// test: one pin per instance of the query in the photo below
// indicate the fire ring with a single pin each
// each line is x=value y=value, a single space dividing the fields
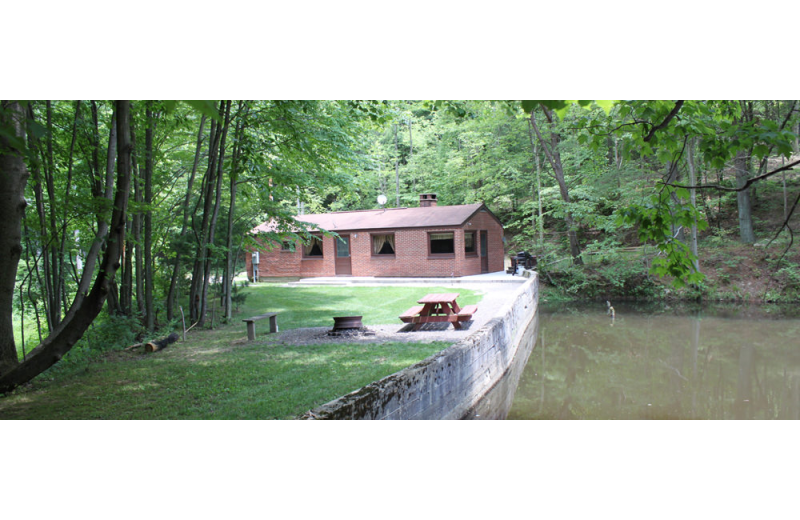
x=347 y=323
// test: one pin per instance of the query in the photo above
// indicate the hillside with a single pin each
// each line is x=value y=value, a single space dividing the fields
x=733 y=271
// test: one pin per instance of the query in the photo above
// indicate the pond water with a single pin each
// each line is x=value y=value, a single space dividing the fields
x=658 y=362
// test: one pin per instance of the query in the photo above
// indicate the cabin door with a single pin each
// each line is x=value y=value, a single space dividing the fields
x=343 y=266
x=484 y=251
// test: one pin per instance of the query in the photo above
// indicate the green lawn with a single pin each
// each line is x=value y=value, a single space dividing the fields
x=216 y=374
x=316 y=306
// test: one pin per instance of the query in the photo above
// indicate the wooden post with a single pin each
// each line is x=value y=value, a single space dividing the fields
x=183 y=321
x=273 y=324
x=251 y=330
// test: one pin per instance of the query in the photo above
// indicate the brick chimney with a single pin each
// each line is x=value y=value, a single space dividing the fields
x=427 y=200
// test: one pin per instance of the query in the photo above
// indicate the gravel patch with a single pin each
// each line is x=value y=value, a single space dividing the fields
x=495 y=296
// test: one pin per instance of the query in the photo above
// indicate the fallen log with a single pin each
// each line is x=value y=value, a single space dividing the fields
x=155 y=346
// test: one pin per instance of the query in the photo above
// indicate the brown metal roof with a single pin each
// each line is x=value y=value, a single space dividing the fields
x=391 y=218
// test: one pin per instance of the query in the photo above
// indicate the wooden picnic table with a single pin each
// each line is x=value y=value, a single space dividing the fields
x=438 y=308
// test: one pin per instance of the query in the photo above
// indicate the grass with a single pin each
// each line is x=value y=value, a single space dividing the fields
x=217 y=374
x=214 y=381
x=316 y=306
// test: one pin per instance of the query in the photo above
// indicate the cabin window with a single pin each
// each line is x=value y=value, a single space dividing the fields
x=383 y=244
x=441 y=243
x=313 y=249
x=469 y=243
x=288 y=246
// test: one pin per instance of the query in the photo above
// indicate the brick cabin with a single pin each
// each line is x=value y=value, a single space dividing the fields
x=428 y=241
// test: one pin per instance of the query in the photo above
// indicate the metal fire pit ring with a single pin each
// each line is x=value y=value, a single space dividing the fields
x=347 y=323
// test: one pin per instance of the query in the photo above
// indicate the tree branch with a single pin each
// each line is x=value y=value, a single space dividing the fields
x=548 y=152
x=746 y=184
x=783 y=125
x=786 y=225
x=665 y=122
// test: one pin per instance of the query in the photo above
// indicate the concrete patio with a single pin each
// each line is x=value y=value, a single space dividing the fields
x=496 y=277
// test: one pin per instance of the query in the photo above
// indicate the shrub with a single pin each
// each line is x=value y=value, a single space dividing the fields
x=106 y=333
x=617 y=277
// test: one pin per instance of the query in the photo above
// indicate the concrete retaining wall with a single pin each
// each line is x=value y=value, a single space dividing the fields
x=450 y=383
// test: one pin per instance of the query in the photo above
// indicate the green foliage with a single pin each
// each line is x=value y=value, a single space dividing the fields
x=105 y=334
x=339 y=155
x=238 y=296
x=733 y=136
x=607 y=274
x=656 y=222
x=789 y=275
x=204 y=107
x=561 y=107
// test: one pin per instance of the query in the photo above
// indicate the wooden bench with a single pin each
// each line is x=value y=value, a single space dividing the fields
x=465 y=314
x=251 y=324
x=410 y=314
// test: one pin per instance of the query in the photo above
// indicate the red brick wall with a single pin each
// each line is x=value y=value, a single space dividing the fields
x=411 y=258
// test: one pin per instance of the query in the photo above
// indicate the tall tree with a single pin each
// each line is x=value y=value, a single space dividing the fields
x=83 y=309
x=13 y=177
x=180 y=246
x=741 y=164
x=201 y=233
x=537 y=161
x=215 y=213
x=551 y=151
x=243 y=110
x=149 y=304
x=693 y=195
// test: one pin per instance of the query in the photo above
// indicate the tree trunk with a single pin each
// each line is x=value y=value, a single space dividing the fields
x=410 y=142
x=126 y=287
x=693 y=194
x=44 y=242
x=554 y=157
x=13 y=178
x=396 y=169
x=538 y=163
x=205 y=234
x=215 y=215
x=104 y=187
x=796 y=142
x=173 y=284
x=79 y=317
x=62 y=252
x=673 y=176
x=137 y=227
x=149 y=307
x=54 y=306
x=742 y=166
x=230 y=259
x=785 y=197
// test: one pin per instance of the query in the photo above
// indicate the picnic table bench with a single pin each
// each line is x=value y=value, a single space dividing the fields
x=438 y=308
x=251 y=324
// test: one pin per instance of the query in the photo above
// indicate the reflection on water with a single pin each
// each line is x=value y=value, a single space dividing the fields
x=662 y=362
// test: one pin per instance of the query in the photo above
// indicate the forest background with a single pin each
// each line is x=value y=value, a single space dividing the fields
x=614 y=197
